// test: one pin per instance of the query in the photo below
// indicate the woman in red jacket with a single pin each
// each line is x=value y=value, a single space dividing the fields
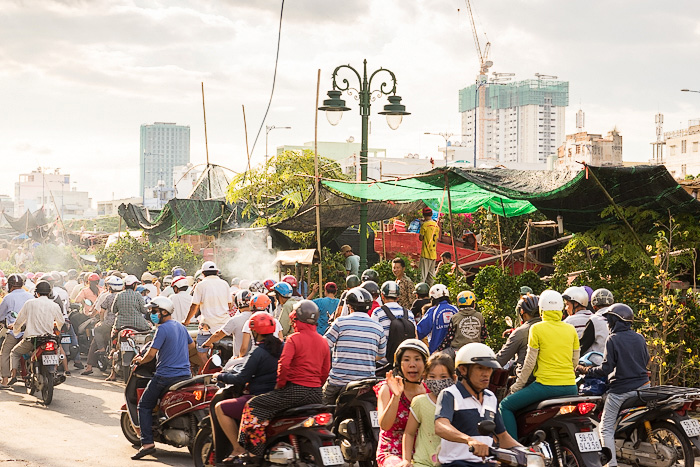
x=301 y=372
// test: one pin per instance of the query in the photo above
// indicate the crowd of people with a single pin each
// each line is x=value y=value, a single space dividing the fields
x=299 y=348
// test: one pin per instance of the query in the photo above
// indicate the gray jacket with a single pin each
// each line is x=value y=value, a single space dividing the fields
x=516 y=345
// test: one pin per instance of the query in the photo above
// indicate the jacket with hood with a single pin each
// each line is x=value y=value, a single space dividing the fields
x=517 y=345
x=466 y=326
x=305 y=359
x=556 y=343
x=435 y=323
x=625 y=362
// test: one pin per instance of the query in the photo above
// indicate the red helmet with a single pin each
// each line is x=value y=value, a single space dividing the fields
x=291 y=280
x=259 y=302
x=93 y=277
x=262 y=323
x=269 y=284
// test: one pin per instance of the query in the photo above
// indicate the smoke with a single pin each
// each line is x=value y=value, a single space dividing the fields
x=245 y=255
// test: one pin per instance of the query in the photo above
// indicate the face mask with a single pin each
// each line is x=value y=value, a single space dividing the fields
x=155 y=318
x=437 y=385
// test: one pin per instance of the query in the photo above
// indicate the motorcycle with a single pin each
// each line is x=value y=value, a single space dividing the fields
x=39 y=368
x=128 y=344
x=180 y=410
x=298 y=436
x=356 y=424
x=537 y=455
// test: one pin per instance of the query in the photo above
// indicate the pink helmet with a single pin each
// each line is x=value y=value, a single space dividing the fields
x=291 y=280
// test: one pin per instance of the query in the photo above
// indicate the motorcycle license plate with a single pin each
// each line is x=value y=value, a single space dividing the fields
x=374 y=418
x=65 y=340
x=49 y=359
x=331 y=455
x=691 y=427
x=588 y=442
x=126 y=347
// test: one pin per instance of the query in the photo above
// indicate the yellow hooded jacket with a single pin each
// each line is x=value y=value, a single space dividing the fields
x=556 y=342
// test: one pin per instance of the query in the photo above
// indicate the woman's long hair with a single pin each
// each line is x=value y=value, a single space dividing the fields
x=94 y=288
x=272 y=344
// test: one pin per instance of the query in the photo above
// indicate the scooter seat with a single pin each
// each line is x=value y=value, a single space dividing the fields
x=310 y=409
x=361 y=382
x=199 y=379
x=642 y=399
x=558 y=401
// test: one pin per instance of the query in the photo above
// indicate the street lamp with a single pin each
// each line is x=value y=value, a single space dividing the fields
x=394 y=112
x=445 y=135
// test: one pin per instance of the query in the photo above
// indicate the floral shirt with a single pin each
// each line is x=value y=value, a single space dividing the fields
x=390 y=442
x=405 y=292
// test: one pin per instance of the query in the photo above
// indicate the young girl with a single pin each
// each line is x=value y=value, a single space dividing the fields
x=421 y=449
x=394 y=398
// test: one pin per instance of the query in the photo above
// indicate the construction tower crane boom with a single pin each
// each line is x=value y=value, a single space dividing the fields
x=484 y=63
x=541 y=76
x=481 y=83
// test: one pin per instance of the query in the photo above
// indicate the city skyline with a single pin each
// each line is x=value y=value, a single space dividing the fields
x=79 y=78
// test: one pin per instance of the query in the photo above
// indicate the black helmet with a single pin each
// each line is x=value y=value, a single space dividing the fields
x=620 y=310
x=530 y=304
x=422 y=288
x=72 y=274
x=43 y=288
x=352 y=281
x=524 y=290
x=359 y=299
x=370 y=275
x=602 y=297
x=371 y=287
x=15 y=280
x=306 y=311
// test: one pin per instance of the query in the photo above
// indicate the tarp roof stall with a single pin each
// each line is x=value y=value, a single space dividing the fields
x=35 y=224
x=292 y=257
x=576 y=196
x=340 y=212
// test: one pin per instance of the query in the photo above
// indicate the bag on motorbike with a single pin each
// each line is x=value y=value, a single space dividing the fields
x=593 y=387
x=400 y=329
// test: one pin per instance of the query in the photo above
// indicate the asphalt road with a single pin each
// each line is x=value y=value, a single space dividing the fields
x=80 y=427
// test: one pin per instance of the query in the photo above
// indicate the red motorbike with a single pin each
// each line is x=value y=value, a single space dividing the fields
x=179 y=411
x=39 y=370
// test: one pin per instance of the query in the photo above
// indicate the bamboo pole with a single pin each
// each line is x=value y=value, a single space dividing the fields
x=452 y=230
x=500 y=242
x=206 y=142
x=245 y=128
x=318 y=195
x=383 y=241
x=527 y=244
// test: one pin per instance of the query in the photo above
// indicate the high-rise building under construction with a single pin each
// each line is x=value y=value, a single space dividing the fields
x=520 y=122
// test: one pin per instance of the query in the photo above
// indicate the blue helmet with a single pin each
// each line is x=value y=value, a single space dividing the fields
x=283 y=289
x=178 y=271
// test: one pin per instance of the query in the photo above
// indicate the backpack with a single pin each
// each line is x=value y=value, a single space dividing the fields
x=400 y=329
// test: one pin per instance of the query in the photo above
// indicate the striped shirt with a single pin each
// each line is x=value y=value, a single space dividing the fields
x=355 y=342
x=397 y=310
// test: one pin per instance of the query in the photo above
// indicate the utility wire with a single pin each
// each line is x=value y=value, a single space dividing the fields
x=274 y=80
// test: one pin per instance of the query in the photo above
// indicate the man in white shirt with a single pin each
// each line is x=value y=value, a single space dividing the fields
x=212 y=298
x=234 y=326
x=181 y=298
x=147 y=280
x=38 y=315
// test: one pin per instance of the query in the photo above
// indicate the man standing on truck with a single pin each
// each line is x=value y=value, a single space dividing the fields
x=428 y=235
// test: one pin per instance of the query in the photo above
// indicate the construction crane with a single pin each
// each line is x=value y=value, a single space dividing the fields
x=541 y=76
x=500 y=77
x=484 y=65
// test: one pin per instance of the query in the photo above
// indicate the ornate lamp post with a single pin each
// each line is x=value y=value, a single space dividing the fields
x=394 y=111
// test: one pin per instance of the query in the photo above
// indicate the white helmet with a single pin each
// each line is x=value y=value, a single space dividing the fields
x=244 y=284
x=131 y=280
x=209 y=266
x=163 y=303
x=115 y=283
x=439 y=291
x=551 y=300
x=476 y=353
x=576 y=294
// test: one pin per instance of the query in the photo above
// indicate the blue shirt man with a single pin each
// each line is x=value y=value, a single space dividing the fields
x=172 y=345
x=436 y=322
x=327 y=306
x=9 y=308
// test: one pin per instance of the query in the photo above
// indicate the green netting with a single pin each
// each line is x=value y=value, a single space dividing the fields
x=520 y=93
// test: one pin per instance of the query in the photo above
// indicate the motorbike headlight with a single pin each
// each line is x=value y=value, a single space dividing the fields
x=534 y=460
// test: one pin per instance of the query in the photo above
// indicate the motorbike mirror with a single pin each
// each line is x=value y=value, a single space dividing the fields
x=88 y=302
x=486 y=427
x=509 y=321
x=216 y=360
x=539 y=437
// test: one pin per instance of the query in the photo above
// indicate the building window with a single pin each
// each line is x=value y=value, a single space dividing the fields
x=578 y=149
x=672 y=150
x=695 y=146
x=683 y=146
x=683 y=169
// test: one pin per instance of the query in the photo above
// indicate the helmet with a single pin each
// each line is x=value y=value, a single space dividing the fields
x=146 y=276
x=72 y=274
x=602 y=297
x=177 y=271
x=15 y=280
x=167 y=280
x=620 y=310
x=283 y=289
x=243 y=284
x=235 y=281
x=371 y=287
x=359 y=299
x=262 y=323
x=164 y=303
x=115 y=283
x=466 y=298
x=422 y=288
x=576 y=294
x=131 y=280
x=306 y=311
x=530 y=305
x=352 y=281
x=439 y=291
x=31 y=276
x=369 y=275
x=93 y=277
x=259 y=302
x=291 y=280
x=243 y=298
x=256 y=286
x=390 y=289
x=180 y=282
x=476 y=353
x=43 y=288
x=524 y=290
x=198 y=275
x=190 y=280
x=209 y=266
x=269 y=283
x=141 y=289
x=551 y=300
x=411 y=344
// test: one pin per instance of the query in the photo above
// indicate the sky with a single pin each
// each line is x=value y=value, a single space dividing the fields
x=79 y=77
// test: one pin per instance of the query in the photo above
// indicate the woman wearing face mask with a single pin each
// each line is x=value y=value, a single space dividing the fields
x=420 y=443
x=394 y=398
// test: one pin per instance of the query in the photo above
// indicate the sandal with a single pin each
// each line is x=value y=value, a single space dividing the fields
x=86 y=372
x=242 y=459
x=110 y=378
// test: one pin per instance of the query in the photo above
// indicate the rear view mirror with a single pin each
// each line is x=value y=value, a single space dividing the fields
x=486 y=427
x=216 y=360
x=509 y=321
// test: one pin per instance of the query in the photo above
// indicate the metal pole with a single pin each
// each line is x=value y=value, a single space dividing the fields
x=500 y=241
x=476 y=98
x=318 y=196
x=364 y=111
x=452 y=230
x=527 y=244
